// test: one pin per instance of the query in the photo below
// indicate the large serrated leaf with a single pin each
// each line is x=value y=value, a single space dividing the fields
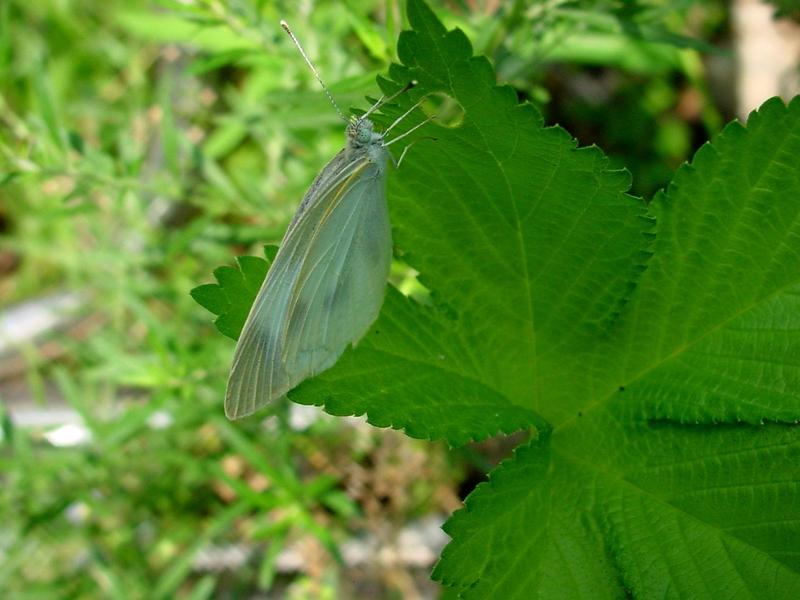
x=645 y=345
x=639 y=490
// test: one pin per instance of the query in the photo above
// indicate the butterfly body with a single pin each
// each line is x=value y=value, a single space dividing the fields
x=326 y=286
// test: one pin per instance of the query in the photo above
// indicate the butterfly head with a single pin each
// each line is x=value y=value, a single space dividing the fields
x=360 y=133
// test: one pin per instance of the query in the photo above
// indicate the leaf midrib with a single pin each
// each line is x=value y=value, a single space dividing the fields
x=436 y=39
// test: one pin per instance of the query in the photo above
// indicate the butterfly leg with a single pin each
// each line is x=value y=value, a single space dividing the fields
x=404 y=115
x=403 y=153
x=410 y=131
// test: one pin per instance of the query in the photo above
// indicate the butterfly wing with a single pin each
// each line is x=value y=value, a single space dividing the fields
x=324 y=289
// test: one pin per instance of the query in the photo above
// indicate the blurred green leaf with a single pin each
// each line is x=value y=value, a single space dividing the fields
x=203 y=589
x=168 y=583
x=169 y=130
x=266 y=570
x=280 y=474
x=627 y=53
x=367 y=33
x=5 y=42
x=75 y=141
x=219 y=59
x=786 y=8
x=47 y=110
x=211 y=36
x=6 y=178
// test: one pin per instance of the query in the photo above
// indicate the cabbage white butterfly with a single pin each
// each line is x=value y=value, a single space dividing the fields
x=326 y=285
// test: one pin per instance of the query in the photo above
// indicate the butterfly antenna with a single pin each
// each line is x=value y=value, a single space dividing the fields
x=311 y=66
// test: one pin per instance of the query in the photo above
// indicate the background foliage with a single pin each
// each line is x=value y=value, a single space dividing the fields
x=176 y=136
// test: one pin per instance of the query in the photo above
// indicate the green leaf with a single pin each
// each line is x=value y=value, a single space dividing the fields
x=643 y=345
x=619 y=504
x=712 y=334
x=218 y=60
x=412 y=372
x=174 y=576
x=47 y=109
x=7 y=177
x=166 y=28
x=233 y=294
x=367 y=32
x=786 y=8
x=639 y=490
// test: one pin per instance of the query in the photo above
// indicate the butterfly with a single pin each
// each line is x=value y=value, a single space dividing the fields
x=326 y=285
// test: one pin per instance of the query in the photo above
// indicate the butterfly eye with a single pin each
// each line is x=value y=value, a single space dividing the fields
x=363 y=135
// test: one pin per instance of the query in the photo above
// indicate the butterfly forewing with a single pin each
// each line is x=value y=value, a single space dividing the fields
x=340 y=288
x=324 y=289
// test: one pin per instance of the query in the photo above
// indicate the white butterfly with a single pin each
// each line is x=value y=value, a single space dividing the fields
x=327 y=282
